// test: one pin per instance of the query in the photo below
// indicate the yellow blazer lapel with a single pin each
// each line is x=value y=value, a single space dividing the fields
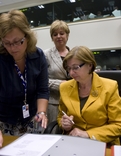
x=74 y=97
x=95 y=91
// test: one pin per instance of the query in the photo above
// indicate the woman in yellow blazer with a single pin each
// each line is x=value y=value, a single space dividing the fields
x=92 y=104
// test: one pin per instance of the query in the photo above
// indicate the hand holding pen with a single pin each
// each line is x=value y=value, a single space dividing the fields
x=67 y=122
x=67 y=115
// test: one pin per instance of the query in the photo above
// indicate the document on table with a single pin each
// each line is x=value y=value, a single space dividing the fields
x=116 y=150
x=30 y=145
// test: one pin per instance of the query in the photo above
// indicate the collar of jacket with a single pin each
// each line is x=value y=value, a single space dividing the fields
x=94 y=93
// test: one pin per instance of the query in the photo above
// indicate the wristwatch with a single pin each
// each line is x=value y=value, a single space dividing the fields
x=43 y=113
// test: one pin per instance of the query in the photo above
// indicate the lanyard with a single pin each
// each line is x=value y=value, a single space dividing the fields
x=24 y=80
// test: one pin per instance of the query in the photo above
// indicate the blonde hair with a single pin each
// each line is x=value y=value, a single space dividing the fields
x=83 y=54
x=59 y=24
x=17 y=19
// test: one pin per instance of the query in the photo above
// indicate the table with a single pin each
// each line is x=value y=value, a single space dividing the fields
x=108 y=152
x=9 y=139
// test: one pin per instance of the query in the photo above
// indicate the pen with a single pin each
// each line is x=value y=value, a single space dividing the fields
x=67 y=115
x=37 y=125
x=37 y=116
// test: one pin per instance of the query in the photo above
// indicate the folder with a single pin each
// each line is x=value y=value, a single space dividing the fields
x=53 y=145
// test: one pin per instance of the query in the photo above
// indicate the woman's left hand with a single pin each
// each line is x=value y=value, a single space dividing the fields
x=42 y=118
x=78 y=132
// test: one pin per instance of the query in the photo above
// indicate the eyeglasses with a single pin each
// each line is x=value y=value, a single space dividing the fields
x=75 y=67
x=16 y=43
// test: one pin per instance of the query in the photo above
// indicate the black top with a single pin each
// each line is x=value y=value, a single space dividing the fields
x=82 y=101
x=12 y=90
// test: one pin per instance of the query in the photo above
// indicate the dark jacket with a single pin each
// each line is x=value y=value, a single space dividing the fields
x=12 y=90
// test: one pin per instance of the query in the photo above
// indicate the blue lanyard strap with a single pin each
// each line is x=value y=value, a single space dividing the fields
x=24 y=79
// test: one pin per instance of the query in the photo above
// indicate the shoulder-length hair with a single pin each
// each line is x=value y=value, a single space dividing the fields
x=59 y=24
x=17 y=19
x=83 y=54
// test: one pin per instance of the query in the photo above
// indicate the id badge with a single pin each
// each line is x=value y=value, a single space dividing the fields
x=25 y=110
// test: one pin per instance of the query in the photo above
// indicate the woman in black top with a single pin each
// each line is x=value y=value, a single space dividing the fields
x=24 y=90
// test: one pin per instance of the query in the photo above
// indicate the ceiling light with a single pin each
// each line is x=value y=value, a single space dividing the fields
x=72 y=1
x=69 y=1
x=41 y=6
x=112 y=50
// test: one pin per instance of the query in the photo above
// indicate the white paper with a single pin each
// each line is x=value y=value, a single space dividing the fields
x=30 y=145
x=117 y=150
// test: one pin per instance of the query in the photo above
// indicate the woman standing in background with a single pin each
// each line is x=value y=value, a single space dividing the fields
x=59 y=32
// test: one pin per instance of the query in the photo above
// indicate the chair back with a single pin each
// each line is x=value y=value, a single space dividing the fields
x=112 y=74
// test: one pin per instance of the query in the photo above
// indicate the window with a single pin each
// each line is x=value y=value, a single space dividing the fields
x=72 y=11
x=108 y=60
